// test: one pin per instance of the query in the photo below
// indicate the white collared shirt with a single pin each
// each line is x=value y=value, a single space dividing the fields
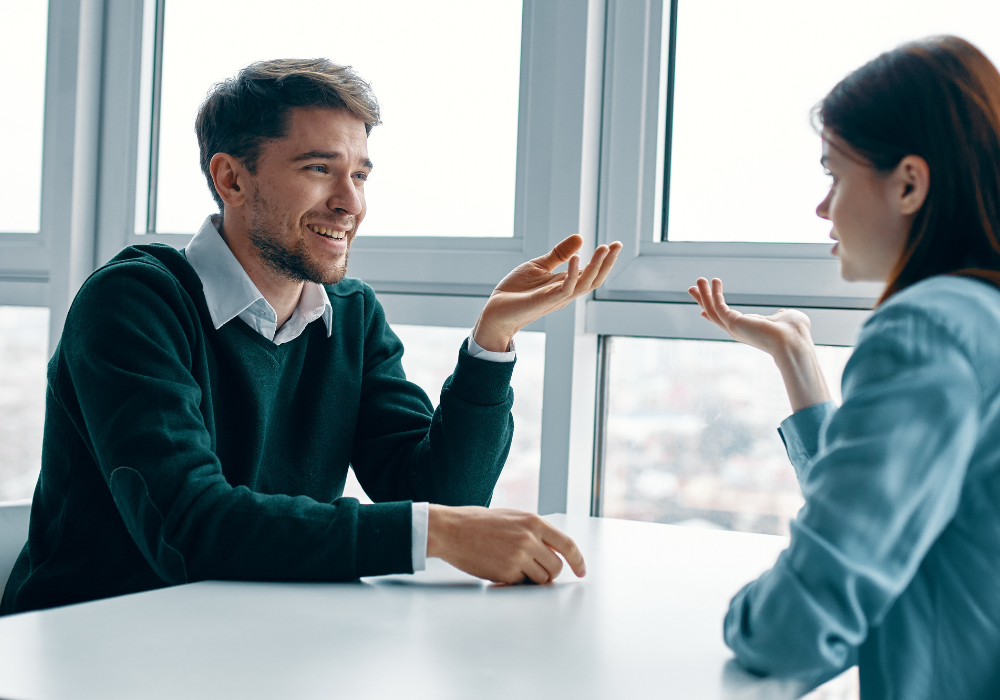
x=229 y=292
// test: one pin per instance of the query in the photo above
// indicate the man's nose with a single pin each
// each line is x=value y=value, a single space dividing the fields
x=344 y=195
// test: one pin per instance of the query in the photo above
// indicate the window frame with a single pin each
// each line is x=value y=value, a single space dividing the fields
x=769 y=274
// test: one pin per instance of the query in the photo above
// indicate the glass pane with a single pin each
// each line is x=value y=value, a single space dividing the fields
x=430 y=357
x=692 y=434
x=745 y=159
x=22 y=73
x=445 y=72
x=24 y=337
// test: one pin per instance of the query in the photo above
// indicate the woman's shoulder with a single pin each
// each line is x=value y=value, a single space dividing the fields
x=940 y=310
x=944 y=290
x=951 y=301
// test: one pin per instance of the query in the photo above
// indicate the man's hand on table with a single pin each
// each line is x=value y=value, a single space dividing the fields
x=534 y=289
x=505 y=546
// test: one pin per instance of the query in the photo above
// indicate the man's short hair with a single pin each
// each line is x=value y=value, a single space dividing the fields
x=241 y=114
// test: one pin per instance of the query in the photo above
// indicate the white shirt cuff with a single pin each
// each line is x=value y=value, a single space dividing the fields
x=490 y=355
x=419 y=513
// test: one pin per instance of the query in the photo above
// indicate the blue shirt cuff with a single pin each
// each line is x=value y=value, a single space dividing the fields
x=800 y=433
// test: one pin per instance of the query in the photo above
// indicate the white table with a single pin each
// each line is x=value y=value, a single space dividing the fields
x=645 y=622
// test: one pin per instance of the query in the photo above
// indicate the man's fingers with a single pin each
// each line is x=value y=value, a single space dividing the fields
x=564 y=544
x=609 y=262
x=549 y=561
x=561 y=253
x=536 y=572
x=589 y=273
x=572 y=272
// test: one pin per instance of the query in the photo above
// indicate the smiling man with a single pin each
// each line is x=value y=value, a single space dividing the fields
x=205 y=405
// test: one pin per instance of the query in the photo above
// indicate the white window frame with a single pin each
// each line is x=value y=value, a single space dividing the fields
x=768 y=274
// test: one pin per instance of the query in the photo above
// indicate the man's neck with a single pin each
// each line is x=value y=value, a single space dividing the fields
x=280 y=292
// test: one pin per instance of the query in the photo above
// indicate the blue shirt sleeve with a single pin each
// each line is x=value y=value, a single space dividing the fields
x=881 y=477
x=800 y=433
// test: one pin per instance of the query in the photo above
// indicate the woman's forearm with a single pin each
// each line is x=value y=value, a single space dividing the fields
x=802 y=375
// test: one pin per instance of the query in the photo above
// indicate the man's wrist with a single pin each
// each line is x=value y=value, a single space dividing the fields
x=493 y=341
x=437 y=526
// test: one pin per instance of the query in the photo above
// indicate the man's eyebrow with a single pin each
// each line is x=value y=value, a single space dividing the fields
x=328 y=155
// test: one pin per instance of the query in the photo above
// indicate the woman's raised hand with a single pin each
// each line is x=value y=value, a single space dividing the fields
x=776 y=334
x=784 y=335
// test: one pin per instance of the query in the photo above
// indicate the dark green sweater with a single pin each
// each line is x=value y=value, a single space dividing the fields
x=174 y=452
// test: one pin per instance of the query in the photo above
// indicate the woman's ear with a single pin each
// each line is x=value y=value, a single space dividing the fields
x=910 y=183
x=230 y=178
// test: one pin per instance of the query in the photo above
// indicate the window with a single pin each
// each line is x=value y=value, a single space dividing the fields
x=446 y=152
x=746 y=77
x=23 y=355
x=22 y=73
x=429 y=358
x=692 y=434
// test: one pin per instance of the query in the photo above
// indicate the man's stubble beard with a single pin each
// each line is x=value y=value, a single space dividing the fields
x=291 y=262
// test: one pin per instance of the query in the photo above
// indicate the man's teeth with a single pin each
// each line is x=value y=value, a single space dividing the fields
x=328 y=232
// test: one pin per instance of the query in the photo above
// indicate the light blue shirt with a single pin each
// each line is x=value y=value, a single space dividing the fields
x=230 y=293
x=894 y=561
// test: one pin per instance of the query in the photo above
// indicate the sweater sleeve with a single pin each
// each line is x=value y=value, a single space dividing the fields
x=883 y=482
x=126 y=378
x=452 y=455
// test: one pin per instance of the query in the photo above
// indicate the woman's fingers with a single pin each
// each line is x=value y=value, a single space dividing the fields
x=708 y=303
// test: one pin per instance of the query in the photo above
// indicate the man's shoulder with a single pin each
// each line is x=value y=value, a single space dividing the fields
x=138 y=270
x=151 y=260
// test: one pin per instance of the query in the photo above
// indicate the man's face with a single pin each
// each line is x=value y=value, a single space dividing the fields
x=308 y=196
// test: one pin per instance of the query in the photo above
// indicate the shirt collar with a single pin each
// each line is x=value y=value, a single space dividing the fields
x=229 y=291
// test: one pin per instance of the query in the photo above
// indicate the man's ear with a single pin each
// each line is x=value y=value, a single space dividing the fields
x=911 y=182
x=230 y=177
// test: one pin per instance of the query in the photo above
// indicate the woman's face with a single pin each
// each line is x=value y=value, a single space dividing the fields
x=871 y=212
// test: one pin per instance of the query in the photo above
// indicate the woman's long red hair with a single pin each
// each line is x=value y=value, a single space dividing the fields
x=938 y=98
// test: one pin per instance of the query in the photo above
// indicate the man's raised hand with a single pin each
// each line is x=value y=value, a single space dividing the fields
x=534 y=289
x=504 y=546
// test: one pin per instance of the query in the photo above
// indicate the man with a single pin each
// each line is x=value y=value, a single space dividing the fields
x=203 y=407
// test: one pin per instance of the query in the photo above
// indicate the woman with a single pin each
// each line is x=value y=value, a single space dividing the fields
x=894 y=561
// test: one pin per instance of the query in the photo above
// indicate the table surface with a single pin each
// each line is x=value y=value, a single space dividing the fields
x=645 y=622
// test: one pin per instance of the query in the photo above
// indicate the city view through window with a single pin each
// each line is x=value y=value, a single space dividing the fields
x=24 y=334
x=692 y=434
